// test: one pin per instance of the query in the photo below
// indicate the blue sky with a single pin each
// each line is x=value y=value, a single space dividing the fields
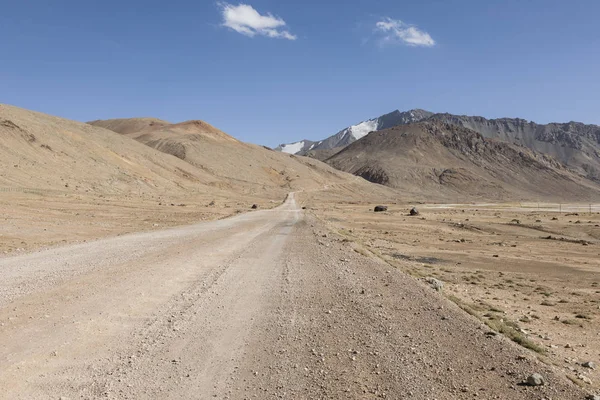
x=278 y=71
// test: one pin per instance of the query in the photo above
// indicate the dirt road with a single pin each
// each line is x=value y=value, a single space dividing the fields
x=262 y=305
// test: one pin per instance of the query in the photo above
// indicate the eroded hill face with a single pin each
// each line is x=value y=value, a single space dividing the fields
x=574 y=144
x=446 y=161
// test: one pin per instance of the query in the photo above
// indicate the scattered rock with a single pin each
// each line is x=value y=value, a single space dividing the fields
x=592 y=397
x=380 y=208
x=536 y=380
x=589 y=364
x=435 y=283
x=414 y=211
x=212 y=203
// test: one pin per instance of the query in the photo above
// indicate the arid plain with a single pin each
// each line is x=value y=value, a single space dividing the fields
x=528 y=270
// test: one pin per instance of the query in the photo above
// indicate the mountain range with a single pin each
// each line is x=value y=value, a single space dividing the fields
x=413 y=155
x=574 y=144
x=355 y=132
x=447 y=162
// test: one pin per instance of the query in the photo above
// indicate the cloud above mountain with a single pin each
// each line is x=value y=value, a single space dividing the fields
x=244 y=19
x=396 y=31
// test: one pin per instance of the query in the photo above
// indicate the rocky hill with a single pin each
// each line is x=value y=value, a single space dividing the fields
x=453 y=163
x=574 y=144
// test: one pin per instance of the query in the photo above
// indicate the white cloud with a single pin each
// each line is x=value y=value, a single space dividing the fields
x=244 y=19
x=396 y=30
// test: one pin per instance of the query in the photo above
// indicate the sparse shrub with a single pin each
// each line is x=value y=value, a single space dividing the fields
x=511 y=330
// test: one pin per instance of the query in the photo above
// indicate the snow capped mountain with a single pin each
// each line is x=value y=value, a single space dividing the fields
x=293 y=148
x=296 y=147
x=356 y=132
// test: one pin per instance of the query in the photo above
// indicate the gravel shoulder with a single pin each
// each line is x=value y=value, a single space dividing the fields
x=263 y=305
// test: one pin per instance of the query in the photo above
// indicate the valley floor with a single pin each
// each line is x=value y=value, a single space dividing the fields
x=268 y=304
x=525 y=269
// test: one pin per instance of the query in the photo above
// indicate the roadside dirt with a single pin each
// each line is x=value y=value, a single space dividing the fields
x=534 y=275
x=33 y=220
x=268 y=304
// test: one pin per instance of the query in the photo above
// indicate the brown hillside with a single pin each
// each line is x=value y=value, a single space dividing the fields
x=451 y=163
x=243 y=167
x=49 y=153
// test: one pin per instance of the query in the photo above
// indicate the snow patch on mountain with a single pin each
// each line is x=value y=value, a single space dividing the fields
x=292 y=148
x=364 y=128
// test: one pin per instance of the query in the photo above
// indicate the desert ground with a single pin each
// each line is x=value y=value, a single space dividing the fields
x=528 y=270
x=32 y=219
x=322 y=302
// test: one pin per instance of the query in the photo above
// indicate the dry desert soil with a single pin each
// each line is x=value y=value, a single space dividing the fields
x=279 y=303
x=530 y=271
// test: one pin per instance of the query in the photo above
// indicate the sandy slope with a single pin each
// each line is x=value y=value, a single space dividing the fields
x=261 y=305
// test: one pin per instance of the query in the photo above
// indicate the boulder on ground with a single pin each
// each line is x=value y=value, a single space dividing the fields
x=589 y=364
x=414 y=211
x=254 y=206
x=536 y=380
x=380 y=208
